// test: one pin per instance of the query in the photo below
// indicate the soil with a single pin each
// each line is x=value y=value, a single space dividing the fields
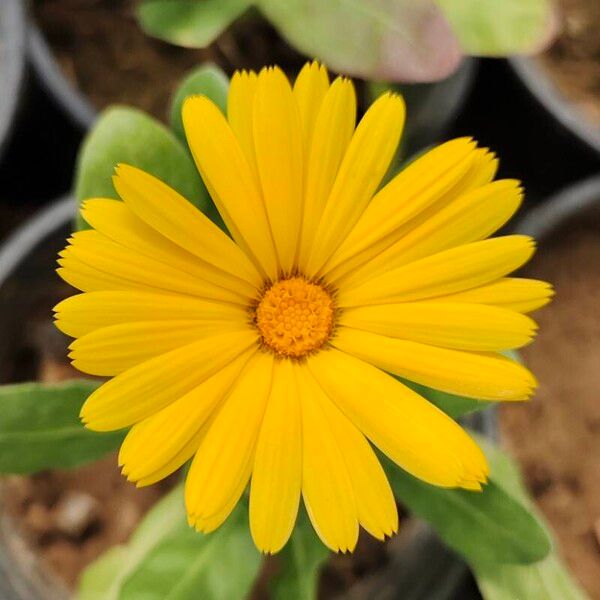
x=102 y=50
x=573 y=61
x=70 y=518
x=556 y=437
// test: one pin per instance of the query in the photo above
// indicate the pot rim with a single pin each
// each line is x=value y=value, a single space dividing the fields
x=544 y=220
x=24 y=239
x=12 y=33
x=541 y=86
x=77 y=107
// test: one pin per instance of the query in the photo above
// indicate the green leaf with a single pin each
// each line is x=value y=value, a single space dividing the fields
x=97 y=578
x=389 y=40
x=126 y=135
x=299 y=564
x=40 y=427
x=167 y=560
x=547 y=579
x=492 y=28
x=452 y=405
x=190 y=23
x=208 y=80
x=544 y=580
x=492 y=526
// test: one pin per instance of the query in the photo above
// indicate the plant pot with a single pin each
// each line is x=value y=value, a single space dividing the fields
x=555 y=437
x=564 y=79
x=74 y=104
x=562 y=111
x=419 y=565
x=12 y=64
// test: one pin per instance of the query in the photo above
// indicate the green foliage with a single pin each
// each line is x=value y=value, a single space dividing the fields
x=391 y=40
x=40 y=427
x=191 y=23
x=167 y=560
x=493 y=526
x=492 y=28
x=299 y=564
x=126 y=135
x=544 y=580
x=378 y=39
x=498 y=531
x=208 y=80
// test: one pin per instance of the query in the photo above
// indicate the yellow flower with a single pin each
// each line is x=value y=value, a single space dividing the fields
x=267 y=356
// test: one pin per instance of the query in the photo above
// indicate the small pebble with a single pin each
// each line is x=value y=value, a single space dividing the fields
x=75 y=513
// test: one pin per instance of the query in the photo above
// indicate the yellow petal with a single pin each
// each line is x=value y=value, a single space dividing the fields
x=310 y=88
x=483 y=170
x=443 y=273
x=221 y=467
x=88 y=279
x=209 y=524
x=326 y=484
x=415 y=434
x=229 y=180
x=163 y=209
x=118 y=222
x=332 y=134
x=168 y=468
x=150 y=386
x=522 y=295
x=279 y=157
x=84 y=313
x=471 y=217
x=366 y=161
x=451 y=325
x=475 y=375
x=240 y=110
x=161 y=443
x=114 y=349
x=375 y=504
x=420 y=185
x=99 y=253
x=277 y=473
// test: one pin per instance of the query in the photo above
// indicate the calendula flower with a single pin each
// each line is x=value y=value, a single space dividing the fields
x=269 y=356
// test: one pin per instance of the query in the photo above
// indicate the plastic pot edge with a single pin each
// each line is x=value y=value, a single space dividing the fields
x=75 y=105
x=12 y=32
x=543 y=220
x=541 y=87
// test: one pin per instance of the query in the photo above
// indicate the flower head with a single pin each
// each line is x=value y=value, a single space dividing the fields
x=268 y=355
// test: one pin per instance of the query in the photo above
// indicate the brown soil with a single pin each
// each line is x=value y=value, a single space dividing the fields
x=556 y=437
x=103 y=51
x=70 y=518
x=574 y=59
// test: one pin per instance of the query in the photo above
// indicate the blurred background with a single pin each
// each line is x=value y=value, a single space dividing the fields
x=62 y=61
